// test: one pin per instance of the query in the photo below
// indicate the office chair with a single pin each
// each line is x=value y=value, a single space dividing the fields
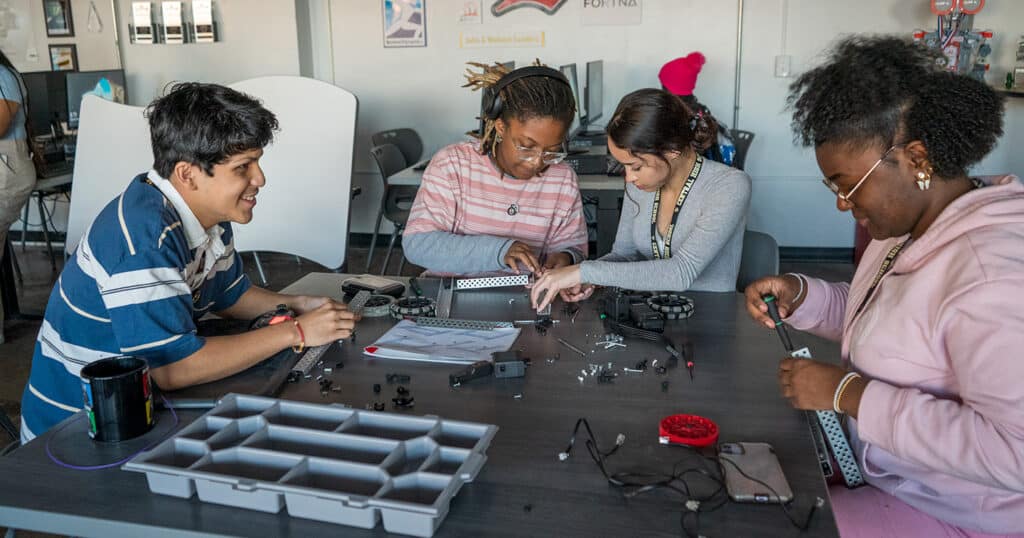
x=407 y=140
x=395 y=202
x=741 y=139
x=760 y=258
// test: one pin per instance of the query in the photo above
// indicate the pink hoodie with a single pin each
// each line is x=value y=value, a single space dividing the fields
x=941 y=422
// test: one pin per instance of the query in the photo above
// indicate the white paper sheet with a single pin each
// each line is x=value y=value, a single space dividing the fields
x=408 y=341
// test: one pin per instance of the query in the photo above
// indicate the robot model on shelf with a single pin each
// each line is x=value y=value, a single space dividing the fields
x=965 y=50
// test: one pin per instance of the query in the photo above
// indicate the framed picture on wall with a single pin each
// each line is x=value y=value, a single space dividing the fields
x=63 y=58
x=57 y=14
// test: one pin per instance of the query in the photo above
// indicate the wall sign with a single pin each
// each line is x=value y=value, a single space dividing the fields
x=502 y=7
x=472 y=12
x=58 y=18
x=405 y=23
x=495 y=39
x=611 y=12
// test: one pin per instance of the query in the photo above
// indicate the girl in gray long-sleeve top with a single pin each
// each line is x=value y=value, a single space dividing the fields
x=682 y=222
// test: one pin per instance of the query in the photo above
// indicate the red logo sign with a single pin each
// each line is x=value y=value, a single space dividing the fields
x=502 y=7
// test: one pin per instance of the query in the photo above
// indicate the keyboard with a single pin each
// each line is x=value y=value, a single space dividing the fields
x=58 y=168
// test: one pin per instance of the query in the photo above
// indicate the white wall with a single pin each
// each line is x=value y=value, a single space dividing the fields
x=788 y=199
x=257 y=38
x=420 y=87
x=28 y=47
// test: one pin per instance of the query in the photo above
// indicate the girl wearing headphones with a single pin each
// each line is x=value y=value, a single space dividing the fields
x=504 y=202
x=684 y=227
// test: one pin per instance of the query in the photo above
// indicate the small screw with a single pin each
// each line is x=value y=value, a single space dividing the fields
x=518 y=396
x=328 y=370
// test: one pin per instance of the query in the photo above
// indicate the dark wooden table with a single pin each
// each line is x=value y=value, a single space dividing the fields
x=523 y=490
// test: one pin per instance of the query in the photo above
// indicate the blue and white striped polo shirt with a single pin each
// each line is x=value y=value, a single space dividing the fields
x=141 y=276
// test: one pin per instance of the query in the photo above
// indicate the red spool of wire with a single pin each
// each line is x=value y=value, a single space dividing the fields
x=690 y=430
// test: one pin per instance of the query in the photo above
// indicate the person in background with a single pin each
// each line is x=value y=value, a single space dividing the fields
x=679 y=77
x=160 y=256
x=505 y=202
x=17 y=172
x=932 y=325
x=682 y=226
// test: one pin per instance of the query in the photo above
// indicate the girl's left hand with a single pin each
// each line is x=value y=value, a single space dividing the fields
x=552 y=282
x=809 y=384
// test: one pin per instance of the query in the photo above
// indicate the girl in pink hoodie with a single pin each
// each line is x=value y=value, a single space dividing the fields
x=932 y=326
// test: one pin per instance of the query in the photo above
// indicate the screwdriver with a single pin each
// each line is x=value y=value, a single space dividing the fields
x=415 y=287
x=773 y=312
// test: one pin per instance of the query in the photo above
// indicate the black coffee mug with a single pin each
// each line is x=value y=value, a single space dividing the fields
x=118 y=398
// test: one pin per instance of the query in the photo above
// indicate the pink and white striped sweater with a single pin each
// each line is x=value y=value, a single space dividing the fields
x=460 y=221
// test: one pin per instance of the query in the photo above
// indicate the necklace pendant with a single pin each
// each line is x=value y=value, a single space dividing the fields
x=513 y=210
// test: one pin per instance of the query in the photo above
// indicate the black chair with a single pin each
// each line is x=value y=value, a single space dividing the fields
x=395 y=202
x=760 y=258
x=407 y=140
x=741 y=139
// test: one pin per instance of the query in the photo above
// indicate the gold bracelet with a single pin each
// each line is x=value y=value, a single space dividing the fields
x=841 y=389
x=302 y=338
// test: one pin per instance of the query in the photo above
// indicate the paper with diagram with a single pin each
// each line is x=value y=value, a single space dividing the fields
x=409 y=341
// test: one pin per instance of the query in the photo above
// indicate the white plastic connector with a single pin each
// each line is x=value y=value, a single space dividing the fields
x=562 y=456
x=693 y=505
x=620 y=439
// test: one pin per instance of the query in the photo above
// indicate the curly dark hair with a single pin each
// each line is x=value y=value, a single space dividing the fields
x=881 y=90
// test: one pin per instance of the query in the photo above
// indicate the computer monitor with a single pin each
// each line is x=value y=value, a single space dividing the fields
x=595 y=90
x=108 y=85
x=47 y=100
x=570 y=73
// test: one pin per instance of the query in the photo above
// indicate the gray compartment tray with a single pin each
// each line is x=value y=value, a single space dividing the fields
x=323 y=462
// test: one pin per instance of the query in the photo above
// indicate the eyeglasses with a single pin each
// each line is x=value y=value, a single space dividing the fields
x=546 y=157
x=846 y=197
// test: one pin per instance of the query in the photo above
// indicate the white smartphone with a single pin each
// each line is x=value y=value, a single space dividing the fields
x=753 y=474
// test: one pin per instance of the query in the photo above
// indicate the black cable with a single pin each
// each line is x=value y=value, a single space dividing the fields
x=635 y=483
x=629 y=330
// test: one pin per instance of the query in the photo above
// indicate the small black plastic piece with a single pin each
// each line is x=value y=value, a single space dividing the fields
x=378 y=406
x=476 y=370
x=402 y=391
x=404 y=401
x=660 y=370
x=376 y=388
x=397 y=378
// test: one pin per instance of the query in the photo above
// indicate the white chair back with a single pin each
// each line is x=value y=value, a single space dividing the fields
x=304 y=207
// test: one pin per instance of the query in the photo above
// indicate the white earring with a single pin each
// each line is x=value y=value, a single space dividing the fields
x=924 y=180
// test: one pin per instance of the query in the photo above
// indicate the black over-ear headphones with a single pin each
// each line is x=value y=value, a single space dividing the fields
x=493 y=106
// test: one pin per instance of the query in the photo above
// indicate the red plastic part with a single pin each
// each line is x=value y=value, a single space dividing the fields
x=690 y=430
x=986 y=34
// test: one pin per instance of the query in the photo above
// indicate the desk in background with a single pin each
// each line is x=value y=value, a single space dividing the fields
x=607 y=190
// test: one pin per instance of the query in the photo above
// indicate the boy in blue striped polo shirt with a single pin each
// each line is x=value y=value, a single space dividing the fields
x=160 y=256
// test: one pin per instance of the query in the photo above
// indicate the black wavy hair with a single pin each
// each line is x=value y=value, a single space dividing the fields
x=655 y=122
x=205 y=124
x=883 y=90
